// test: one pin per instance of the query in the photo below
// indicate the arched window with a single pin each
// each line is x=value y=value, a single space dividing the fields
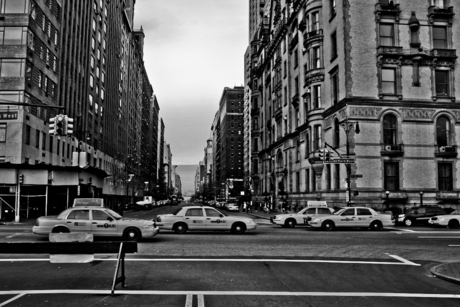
x=443 y=131
x=336 y=133
x=390 y=130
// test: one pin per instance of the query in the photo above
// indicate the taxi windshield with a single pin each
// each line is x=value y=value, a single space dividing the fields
x=113 y=214
x=338 y=212
x=221 y=212
x=64 y=213
x=177 y=211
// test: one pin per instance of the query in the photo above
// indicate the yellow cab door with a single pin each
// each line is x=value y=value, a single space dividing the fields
x=103 y=224
x=195 y=219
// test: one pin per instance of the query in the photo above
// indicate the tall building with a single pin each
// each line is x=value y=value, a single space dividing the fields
x=368 y=81
x=229 y=142
x=83 y=60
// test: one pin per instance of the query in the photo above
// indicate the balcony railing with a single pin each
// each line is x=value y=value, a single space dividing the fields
x=389 y=50
x=444 y=53
x=448 y=195
x=312 y=35
x=387 y=8
x=446 y=151
x=394 y=195
x=314 y=75
x=440 y=12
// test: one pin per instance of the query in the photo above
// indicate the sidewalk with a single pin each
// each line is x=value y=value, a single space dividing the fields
x=447 y=271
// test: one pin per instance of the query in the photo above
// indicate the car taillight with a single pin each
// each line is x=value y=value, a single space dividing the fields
x=36 y=222
x=158 y=219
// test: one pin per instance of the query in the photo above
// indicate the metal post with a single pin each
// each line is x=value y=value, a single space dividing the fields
x=18 y=198
x=421 y=198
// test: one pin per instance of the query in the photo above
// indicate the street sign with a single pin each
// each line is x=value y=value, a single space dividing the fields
x=346 y=161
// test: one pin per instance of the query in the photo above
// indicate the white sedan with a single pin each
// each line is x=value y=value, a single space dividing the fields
x=293 y=219
x=451 y=220
x=203 y=218
x=361 y=217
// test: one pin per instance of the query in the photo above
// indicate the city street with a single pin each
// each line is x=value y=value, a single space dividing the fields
x=271 y=266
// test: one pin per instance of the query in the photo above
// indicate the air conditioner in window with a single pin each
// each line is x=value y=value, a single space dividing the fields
x=449 y=149
x=387 y=147
x=442 y=149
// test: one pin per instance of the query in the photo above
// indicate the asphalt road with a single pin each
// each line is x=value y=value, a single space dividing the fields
x=271 y=266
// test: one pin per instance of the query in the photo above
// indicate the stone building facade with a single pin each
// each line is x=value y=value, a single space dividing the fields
x=371 y=81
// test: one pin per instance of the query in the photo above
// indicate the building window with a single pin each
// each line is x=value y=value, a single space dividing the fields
x=43 y=141
x=316 y=97
x=333 y=46
x=336 y=133
x=307 y=180
x=439 y=3
x=391 y=176
x=297 y=181
x=387 y=34
x=388 y=81
x=14 y=6
x=307 y=146
x=2 y=133
x=316 y=60
x=443 y=134
x=335 y=87
x=337 y=176
x=37 y=138
x=317 y=138
x=332 y=4
x=314 y=21
x=442 y=82
x=439 y=37
x=12 y=68
x=27 y=140
x=445 y=179
x=390 y=130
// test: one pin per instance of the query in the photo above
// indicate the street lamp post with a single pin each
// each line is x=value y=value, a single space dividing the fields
x=348 y=127
x=421 y=198
x=387 y=193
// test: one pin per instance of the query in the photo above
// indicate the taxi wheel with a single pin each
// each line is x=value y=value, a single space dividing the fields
x=328 y=225
x=408 y=222
x=376 y=225
x=180 y=228
x=238 y=228
x=132 y=234
x=60 y=230
x=290 y=223
x=453 y=224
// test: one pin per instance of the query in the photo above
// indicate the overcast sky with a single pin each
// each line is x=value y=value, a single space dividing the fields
x=193 y=49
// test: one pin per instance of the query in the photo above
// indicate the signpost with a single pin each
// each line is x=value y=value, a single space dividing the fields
x=344 y=161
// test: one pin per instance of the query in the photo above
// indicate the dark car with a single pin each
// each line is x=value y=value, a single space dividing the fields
x=421 y=214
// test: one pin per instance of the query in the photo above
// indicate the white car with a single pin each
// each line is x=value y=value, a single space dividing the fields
x=299 y=218
x=203 y=218
x=451 y=220
x=361 y=217
x=232 y=207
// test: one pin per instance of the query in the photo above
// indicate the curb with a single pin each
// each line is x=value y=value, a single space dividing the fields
x=443 y=276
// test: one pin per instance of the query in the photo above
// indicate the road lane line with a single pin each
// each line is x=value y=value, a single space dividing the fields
x=404 y=260
x=12 y=299
x=239 y=293
x=436 y=237
x=188 y=300
x=452 y=245
x=200 y=300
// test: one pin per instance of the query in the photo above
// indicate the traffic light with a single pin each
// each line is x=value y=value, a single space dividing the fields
x=52 y=125
x=69 y=125
x=60 y=124
x=21 y=178
x=324 y=154
x=328 y=155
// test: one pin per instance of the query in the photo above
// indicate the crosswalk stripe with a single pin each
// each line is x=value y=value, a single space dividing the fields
x=200 y=300
x=188 y=300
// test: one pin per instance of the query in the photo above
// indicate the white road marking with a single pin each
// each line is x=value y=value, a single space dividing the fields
x=241 y=293
x=12 y=299
x=428 y=232
x=200 y=300
x=436 y=237
x=404 y=262
x=452 y=245
x=188 y=300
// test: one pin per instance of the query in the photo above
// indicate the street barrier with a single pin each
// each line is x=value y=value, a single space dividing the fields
x=76 y=248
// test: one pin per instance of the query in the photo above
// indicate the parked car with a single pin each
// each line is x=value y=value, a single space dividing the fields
x=101 y=222
x=293 y=219
x=203 y=218
x=232 y=207
x=451 y=220
x=362 y=217
x=420 y=214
